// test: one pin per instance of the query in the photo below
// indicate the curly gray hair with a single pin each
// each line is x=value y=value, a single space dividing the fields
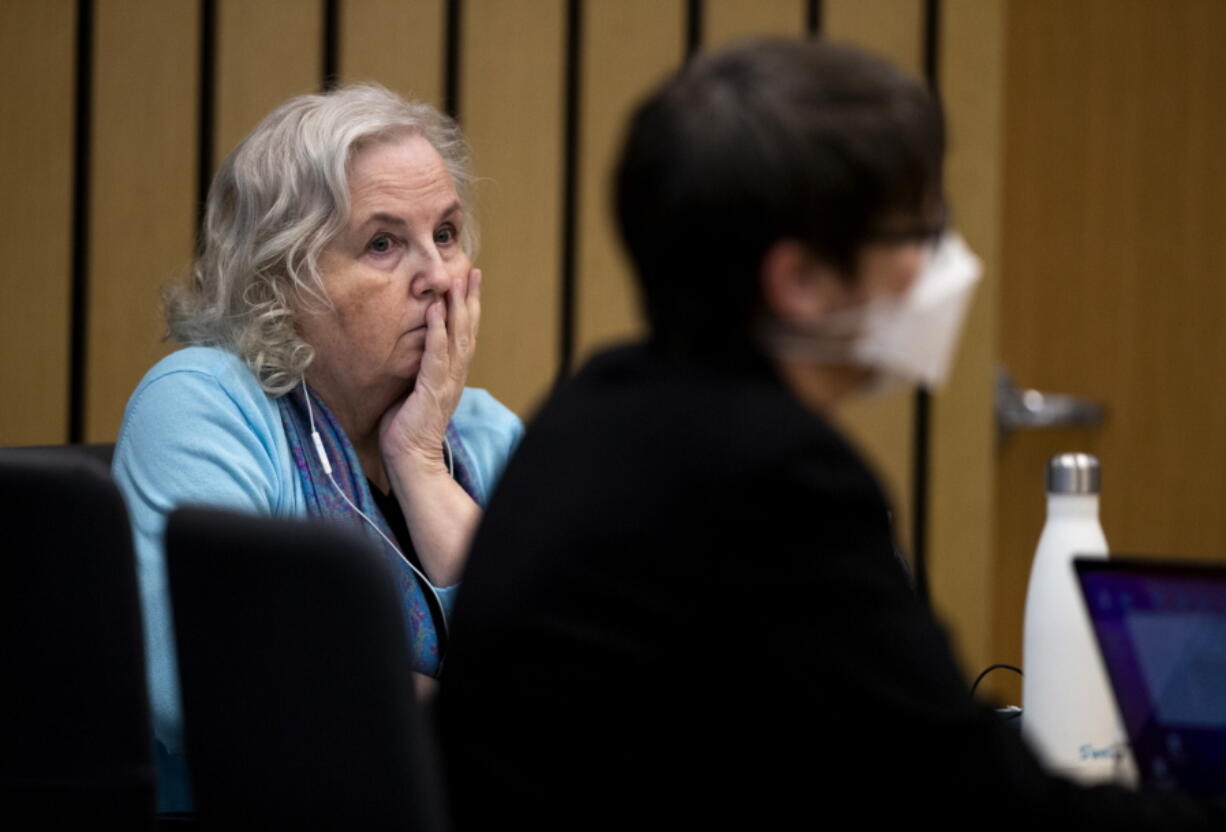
x=276 y=202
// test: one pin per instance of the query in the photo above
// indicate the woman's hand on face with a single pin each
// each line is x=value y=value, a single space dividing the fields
x=440 y=515
x=412 y=430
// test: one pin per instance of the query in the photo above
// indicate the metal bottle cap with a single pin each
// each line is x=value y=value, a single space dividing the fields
x=1073 y=474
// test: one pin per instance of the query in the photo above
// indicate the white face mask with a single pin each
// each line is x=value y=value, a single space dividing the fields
x=910 y=338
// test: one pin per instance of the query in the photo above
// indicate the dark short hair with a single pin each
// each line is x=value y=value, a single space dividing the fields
x=765 y=141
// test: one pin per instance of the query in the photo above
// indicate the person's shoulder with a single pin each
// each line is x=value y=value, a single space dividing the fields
x=486 y=424
x=479 y=409
x=198 y=374
x=490 y=432
x=200 y=426
x=737 y=404
x=222 y=366
x=199 y=391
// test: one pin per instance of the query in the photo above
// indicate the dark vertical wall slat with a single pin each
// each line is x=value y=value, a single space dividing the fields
x=331 y=44
x=813 y=17
x=570 y=144
x=921 y=445
x=82 y=120
x=932 y=44
x=919 y=491
x=451 y=58
x=693 y=27
x=207 y=106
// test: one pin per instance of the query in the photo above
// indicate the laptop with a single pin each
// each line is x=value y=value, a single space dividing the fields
x=1161 y=630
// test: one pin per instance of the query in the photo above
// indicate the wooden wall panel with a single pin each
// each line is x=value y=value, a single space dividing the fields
x=511 y=106
x=963 y=440
x=397 y=44
x=36 y=129
x=266 y=52
x=883 y=426
x=628 y=48
x=728 y=20
x=893 y=28
x=142 y=193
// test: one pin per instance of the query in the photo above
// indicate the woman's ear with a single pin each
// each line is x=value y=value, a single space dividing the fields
x=796 y=286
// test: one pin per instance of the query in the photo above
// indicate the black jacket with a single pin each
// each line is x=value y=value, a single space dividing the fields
x=684 y=605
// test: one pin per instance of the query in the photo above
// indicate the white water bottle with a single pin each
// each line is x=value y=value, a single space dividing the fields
x=1069 y=715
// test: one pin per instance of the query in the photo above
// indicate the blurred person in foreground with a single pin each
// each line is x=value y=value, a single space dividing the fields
x=333 y=294
x=684 y=605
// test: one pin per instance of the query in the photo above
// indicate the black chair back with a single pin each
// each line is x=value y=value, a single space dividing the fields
x=298 y=697
x=102 y=452
x=75 y=741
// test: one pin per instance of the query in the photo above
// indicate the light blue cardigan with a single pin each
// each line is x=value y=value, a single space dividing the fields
x=200 y=429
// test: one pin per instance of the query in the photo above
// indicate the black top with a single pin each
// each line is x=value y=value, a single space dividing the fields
x=684 y=604
x=389 y=507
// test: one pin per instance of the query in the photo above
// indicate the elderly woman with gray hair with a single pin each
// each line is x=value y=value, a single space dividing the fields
x=328 y=324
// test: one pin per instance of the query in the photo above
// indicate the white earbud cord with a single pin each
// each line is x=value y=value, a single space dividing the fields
x=327 y=466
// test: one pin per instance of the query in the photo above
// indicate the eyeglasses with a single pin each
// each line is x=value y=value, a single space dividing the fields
x=918 y=233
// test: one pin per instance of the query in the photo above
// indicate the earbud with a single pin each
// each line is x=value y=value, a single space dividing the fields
x=319 y=449
x=319 y=443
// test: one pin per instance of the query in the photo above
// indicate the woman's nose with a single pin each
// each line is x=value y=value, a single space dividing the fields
x=431 y=276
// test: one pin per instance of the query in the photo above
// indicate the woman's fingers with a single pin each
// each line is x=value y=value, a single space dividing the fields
x=435 y=362
x=457 y=316
x=449 y=347
x=474 y=301
x=464 y=312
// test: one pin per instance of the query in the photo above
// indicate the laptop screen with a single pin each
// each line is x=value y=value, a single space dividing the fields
x=1161 y=629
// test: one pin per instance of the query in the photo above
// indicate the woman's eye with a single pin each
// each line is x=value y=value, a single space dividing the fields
x=445 y=235
x=381 y=244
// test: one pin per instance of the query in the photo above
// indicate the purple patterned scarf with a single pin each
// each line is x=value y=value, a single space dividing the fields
x=323 y=500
